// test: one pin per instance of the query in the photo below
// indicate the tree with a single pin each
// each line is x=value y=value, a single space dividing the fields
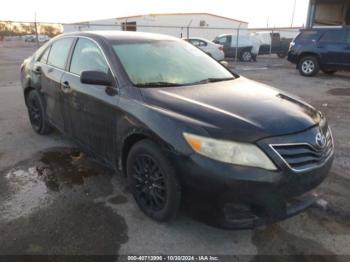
x=49 y=30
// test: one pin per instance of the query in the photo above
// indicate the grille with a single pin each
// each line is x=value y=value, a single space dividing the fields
x=301 y=156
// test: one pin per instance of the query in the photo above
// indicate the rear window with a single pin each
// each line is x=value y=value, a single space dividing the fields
x=334 y=36
x=59 y=52
x=308 y=36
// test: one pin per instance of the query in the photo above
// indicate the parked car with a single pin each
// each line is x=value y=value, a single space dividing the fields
x=32 y=38
x=173 y=120
x=273 y=43
x=214 y=50
x=247 y=47
x=326 y=49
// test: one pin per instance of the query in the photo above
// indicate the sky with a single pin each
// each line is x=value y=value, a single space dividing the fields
x=277 y=13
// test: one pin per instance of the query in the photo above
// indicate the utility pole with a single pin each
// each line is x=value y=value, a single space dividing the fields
x=237 y=42
x=36 y=31
x=188 y=29
x=295 y=3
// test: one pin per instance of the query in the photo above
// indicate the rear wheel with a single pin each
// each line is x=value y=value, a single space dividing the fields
x=152 y=181
x=309 y=66
x=246 y=56
x=329 y=72
x=36 y=113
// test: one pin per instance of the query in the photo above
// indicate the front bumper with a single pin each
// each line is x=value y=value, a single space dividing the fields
x=292 y=57
x=246 y=197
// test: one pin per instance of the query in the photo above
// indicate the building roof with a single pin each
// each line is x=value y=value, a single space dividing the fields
x=169 y=14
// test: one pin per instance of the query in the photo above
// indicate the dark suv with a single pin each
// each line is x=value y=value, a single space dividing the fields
x=327 y=49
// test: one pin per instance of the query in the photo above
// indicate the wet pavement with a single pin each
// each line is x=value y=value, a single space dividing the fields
x=51 y=207
x=55 y=199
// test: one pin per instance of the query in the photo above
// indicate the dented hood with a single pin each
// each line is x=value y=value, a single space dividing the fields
x=240 y=109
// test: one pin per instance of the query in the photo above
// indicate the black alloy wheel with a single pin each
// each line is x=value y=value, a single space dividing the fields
x=149 y=183
x=152 y=181
x=36 y=113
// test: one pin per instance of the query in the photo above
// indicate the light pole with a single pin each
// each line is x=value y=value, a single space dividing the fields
x=295 y=3
x=36 y=31
x=237 y=39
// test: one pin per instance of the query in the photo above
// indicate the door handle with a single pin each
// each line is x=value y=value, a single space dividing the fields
x=37 y=70
x=65 y=86
x=347 y=47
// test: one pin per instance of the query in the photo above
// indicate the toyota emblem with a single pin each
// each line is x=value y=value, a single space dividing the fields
x=320 y=140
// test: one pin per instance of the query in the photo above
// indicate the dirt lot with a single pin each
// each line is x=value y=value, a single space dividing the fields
x=56 y=200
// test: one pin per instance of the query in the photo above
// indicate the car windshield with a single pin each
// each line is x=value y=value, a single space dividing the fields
x=168 y=63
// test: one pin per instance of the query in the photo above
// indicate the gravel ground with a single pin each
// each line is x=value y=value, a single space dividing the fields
x=56 y=200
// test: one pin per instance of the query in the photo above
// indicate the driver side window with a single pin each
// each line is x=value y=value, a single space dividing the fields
x=87 y=56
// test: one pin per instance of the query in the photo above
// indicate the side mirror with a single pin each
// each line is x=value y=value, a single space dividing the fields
x=96 y=78
x=224 y=63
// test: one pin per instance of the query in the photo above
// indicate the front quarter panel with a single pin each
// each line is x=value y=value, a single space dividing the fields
x=158 y=124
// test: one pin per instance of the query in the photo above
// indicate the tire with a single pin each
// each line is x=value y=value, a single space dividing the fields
x=36 y=112
x=309 y=66
x=152 y=181
x=329 y=72
x=246 y=56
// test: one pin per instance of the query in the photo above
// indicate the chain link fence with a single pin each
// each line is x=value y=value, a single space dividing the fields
x=239 y=43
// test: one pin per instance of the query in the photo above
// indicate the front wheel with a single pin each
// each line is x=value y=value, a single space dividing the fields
x=153 y=181
x=37 y=114
x=309 y=66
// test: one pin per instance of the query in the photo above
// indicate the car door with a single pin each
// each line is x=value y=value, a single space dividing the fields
x=50 y=69
x=226 y=42
x=331 y=46
x=92 y=107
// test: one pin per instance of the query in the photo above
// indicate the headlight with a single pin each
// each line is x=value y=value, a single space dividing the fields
x=238 y=153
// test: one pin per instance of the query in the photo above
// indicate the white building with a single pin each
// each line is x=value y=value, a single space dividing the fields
x=176 y=24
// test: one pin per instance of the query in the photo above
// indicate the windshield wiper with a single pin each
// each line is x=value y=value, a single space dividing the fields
x=157 y=84
x=212 y=80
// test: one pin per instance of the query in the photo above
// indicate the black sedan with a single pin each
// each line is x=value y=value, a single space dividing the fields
x=172 y=120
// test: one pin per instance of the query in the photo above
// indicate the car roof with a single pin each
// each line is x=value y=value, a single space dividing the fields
x=338 y=28
x=121 y=35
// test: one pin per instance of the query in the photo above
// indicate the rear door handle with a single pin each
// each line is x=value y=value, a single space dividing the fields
x=347 y=47
x=37 y=70
x=65 y=86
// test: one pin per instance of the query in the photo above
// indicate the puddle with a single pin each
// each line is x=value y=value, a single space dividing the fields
x=68 y=167
x=33 y=183
x=339 y=91
x=67 y=227
x=49 y=207
x=57 y=168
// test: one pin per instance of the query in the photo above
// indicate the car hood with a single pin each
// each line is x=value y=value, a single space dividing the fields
x=240 y=109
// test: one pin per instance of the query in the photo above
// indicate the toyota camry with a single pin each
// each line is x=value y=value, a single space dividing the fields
x=172 y=119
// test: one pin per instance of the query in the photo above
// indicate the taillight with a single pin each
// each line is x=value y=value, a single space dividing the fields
x=221 y=48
